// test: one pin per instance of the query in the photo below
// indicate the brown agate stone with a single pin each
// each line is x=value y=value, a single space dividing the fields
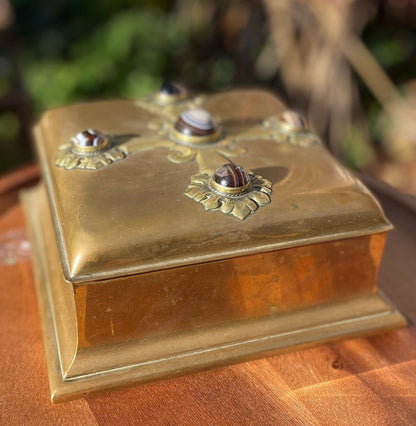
x=231 y=176
x=196 y=122
x=89 y=138
x=292 y=119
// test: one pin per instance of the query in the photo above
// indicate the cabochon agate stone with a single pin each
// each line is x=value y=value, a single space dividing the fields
x=196 y=122
x=169 y=88
x=89 y=138
x=293 y=120
x=231 y=176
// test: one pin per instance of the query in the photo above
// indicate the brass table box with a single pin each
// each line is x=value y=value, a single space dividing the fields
x=177 y=233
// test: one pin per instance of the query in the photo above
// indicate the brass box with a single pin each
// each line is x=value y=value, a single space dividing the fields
x=149 y=266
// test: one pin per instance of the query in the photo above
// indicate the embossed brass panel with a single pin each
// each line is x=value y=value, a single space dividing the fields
x=137 y=281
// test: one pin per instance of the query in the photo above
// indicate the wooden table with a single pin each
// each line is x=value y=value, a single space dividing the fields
x=367 y=381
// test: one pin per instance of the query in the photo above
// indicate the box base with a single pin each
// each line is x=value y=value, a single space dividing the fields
x=200 y=349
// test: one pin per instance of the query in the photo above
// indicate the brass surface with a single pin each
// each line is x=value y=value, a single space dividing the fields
x=132 y=216
x=136 y=329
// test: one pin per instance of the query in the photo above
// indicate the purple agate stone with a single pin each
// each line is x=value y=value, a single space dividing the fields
x=169 y=88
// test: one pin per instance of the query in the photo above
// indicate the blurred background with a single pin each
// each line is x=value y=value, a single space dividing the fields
x=349 y=66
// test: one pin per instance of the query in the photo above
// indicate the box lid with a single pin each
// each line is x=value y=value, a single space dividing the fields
x=140 y=194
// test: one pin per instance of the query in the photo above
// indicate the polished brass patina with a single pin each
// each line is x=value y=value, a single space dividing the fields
x=137 y=282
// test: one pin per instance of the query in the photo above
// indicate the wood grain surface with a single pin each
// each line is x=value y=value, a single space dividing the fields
x=367 y=381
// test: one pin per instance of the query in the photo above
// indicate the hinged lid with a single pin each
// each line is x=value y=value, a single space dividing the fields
x=171 y=180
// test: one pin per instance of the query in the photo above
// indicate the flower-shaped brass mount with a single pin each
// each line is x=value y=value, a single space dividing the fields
x=280 y=133
x=240 y=205
x=69 y=157
x=281 y=130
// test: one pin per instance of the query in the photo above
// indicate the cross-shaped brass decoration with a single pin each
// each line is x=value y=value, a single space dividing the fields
x=208 y=156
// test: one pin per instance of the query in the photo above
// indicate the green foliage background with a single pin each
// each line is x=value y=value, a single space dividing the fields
x=83 y=49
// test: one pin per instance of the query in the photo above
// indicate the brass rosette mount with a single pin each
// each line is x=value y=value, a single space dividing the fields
x=230 y=189
x=90 y=150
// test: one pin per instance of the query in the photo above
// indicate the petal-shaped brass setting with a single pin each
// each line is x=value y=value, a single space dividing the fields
x=240 y=206
x=68 y=159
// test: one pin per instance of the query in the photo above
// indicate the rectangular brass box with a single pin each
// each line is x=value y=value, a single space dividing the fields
x=147 y=269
